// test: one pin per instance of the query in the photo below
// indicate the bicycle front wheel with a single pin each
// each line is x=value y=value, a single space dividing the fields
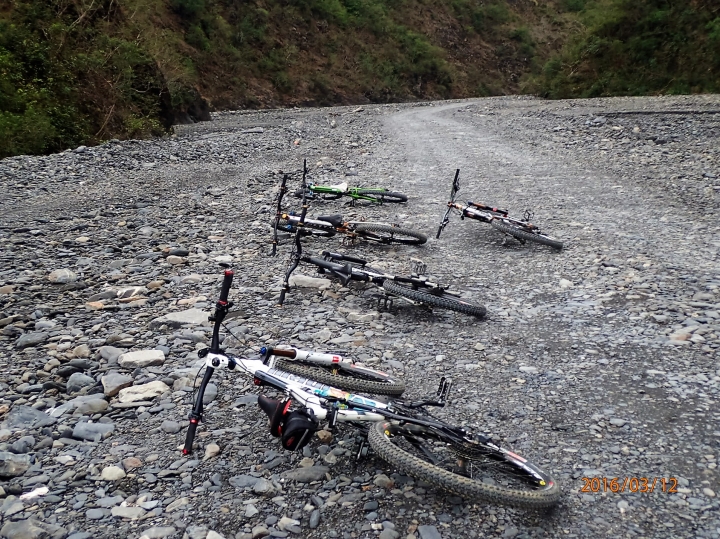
x=353 y=378
x=467 y=469
x=444 y=301
x=525 y=234
x=390 y=234
x=380 y=196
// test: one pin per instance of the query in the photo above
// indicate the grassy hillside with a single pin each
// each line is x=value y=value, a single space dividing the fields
x=637 y=48
x=82 y=71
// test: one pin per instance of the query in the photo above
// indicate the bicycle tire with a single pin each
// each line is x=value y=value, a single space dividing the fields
x=316 y=230
x=444 y=302
x=523 y=234
x=351 y=378
x=381 y=196
x=387 y=439
x=390 y=234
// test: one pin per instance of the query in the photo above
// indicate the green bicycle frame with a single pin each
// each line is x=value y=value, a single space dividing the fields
x=353 y=192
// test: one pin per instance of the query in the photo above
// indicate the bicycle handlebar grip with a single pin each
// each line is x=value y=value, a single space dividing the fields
x=187 y=449
x=338 y=256
x=227 y=282
x=283 y=352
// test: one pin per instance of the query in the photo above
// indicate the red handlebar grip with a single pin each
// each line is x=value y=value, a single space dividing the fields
x=190 y=437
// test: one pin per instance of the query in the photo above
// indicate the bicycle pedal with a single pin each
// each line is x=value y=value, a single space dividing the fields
x=418 y=266
x=443 y=392
x=363 y=450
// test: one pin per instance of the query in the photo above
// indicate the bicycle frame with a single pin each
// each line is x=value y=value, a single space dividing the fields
x=346 y=227
x=475 y=210
x=336 y=192
x=312 y=395
x=364 y=274
x=297 y=251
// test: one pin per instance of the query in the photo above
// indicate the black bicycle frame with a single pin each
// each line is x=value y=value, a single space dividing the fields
x=296 y=253
x=278 y=213
x=222 y=307
x=453 y=192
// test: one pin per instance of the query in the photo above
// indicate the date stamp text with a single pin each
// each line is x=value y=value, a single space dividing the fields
x=629 y=484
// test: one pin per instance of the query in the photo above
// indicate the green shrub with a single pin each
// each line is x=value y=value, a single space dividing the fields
x=196 y=37
x=188 y=8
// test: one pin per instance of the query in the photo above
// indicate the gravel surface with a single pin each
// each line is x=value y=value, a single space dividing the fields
x=600 y=360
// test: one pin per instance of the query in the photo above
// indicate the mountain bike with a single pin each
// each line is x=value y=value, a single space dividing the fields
x=329 y=225
x=323 y=368
x=404 y=434
x=333 y=192
x=414 y=289
x=522 y=230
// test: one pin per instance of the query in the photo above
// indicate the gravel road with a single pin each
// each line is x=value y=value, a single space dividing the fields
x=598 y=361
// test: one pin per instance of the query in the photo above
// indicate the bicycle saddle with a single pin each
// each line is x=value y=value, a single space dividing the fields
x=335 y=220
x=341 y=186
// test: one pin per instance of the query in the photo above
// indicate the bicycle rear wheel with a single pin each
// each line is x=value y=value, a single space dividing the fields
x=351 y=378
x=525 y=234
x=468 y=469
x=390 y=234
x=381 y=196
x=443 y=301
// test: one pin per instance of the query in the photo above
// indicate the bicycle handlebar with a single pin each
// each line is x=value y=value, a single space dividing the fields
x=346 y=258
x=278 y=211
x=196 y=413
x=227 y=282
x=488 y=208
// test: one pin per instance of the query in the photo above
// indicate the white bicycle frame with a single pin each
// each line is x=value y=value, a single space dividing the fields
x=294 y=219
x=310 y=394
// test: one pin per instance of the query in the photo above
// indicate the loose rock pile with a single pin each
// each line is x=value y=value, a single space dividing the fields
x=601 y=360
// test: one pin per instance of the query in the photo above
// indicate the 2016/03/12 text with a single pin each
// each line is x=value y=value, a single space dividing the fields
x=629 y=484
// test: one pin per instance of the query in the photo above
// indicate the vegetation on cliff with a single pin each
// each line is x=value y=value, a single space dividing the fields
x=82 y=71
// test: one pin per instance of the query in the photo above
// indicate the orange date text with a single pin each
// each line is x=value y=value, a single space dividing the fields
x=629 y=484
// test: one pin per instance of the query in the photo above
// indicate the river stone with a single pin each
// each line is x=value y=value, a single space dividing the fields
x=26 y=417
x=31 y=529
x=178 y=319
x=113 y=382
x=62 y=276
x=12 y=465
x=94 y=406
x=132 y=513
x=78 y=381
x=177 y=504
x=429 y=532
x=243 y=481
x=309 y=282
x=157 y=532
x=142 y=392
x=141 y=359
x=92 y=431
x=306 y=475
x=81 y=351
x=112 y=473
x=28 y=340
x=110 y=353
